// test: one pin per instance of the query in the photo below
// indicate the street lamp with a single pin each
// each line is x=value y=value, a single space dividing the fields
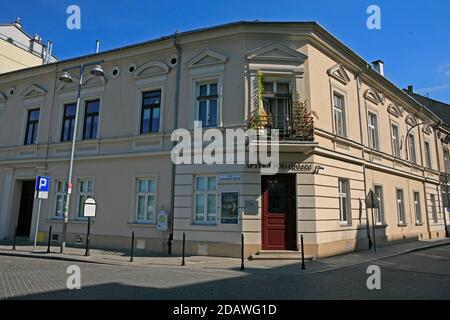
x=444 y=181
x=66 y=77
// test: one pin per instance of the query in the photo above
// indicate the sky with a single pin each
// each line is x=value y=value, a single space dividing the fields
x=414 y=39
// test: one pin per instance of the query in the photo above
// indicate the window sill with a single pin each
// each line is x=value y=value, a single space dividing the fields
x=381 y=226
x=402 y=225
x=419 y=224
x=345 y=224
x=141 y=224
x=206 y=224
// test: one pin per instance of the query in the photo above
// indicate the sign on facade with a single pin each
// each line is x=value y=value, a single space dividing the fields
x=42 y=187
x=162 y=221
x=230 y=207
x=90 y=208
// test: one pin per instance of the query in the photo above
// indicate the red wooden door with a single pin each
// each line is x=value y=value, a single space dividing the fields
x=278 y=210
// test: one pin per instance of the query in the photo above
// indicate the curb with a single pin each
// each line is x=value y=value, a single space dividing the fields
x=38 y=255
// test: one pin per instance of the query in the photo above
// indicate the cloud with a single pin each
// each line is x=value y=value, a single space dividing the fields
x=445 y=69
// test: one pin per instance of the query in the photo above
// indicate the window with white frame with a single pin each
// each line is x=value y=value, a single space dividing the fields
x=146 y=200
x=373 y=131
x=61 y=198
x=277 y=101
x=379 y=212
x=400 y=207
x=340 y=126
x=412 y=148
x=207 y=103
x=85 y=187
x=344 y=201
x=433 y=208
x=205 y=199
x=395 y=140
x=417 y=208
x=447 y=160
x=428 y=155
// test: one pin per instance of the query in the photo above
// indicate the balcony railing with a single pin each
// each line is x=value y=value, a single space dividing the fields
x=295 y=129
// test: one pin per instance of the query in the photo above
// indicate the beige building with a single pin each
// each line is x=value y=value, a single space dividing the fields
x=19 y=50
x=367 y=135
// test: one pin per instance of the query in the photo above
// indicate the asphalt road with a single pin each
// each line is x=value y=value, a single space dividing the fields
x=419 y=275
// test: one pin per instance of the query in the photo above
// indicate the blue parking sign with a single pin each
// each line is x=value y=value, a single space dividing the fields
x=42 y=186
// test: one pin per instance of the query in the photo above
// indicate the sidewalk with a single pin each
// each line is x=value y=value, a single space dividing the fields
x=217 y=264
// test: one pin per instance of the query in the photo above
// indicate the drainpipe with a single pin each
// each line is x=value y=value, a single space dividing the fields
x=358 y=89
x=175 y=126
x=424 y=182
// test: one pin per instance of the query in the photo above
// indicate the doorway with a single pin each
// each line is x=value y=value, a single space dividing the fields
x=279 y=212
x=25 y=209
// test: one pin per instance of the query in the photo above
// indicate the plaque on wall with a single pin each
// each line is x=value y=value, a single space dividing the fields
x=251 y=207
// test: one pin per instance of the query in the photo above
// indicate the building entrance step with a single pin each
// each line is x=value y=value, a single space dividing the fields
x=278 y=255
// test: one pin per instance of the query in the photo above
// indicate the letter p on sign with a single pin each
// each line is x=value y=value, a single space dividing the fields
x=42 y=185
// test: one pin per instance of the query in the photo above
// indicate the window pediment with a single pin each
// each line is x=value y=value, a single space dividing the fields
x=207 y=58
x=411 y=120
x=276 y=52
x=395 y=110
x=374 y=96
x=152 y=68
x=427 y=129
x=338 y=72
x=33 y=91
x=91 y=81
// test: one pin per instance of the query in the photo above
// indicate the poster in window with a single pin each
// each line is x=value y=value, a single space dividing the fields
x=230 y=207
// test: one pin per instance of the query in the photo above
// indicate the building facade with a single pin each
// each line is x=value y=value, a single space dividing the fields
x=367 y=135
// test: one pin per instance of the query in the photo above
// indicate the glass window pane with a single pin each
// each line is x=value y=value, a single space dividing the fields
x=142 y=185
x=202 y=113
x=211 y=207
x=152 y=185
x=283 y=88
x=151 y=208
x=199 y=206
x=201 y=184
x=141 y=208
x=212 y=183
x=212 y=113
x=268 y=87
x=203 y=90
x=213 y=89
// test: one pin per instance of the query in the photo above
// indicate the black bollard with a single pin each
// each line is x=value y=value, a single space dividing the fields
x=14 y=240
x=183 y=262
x=132 y=247
x=87 y=252
x=303 y=253
x=242 y=252
x=169 y=244
x=49 y=239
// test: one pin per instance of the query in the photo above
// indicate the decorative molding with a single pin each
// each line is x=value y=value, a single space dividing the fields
x=427 y=129
x=373 y=96
x=92 y=81
x=150 y=69
x=276 y=52
x=338 y=72
x=411 y=120
x=207 y=58
x=33 y=91
x=395 y=110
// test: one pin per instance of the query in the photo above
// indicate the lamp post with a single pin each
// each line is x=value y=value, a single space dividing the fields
x=67 y=78
x=444 y=181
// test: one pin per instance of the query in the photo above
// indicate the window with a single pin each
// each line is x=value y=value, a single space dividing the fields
x=379 y=212
x=344 y=201
x=32 y=126
x=339 y=115
x=151 y=110
x=61 y=198
x=373 y=131
x=205 y=200
x=146 y=200
x=277 y=103
x=395 y=141
x=428 y=154
x=447 y=161
x=412 y=148
x=84 y=192
x=400 y=207
x=207 y=99
x=417 y=208
x=91 y=119
x=68 y=122
x=433 y=208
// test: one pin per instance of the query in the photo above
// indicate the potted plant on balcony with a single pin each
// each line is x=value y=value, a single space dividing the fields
x=259 y=119
x=302 y=120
